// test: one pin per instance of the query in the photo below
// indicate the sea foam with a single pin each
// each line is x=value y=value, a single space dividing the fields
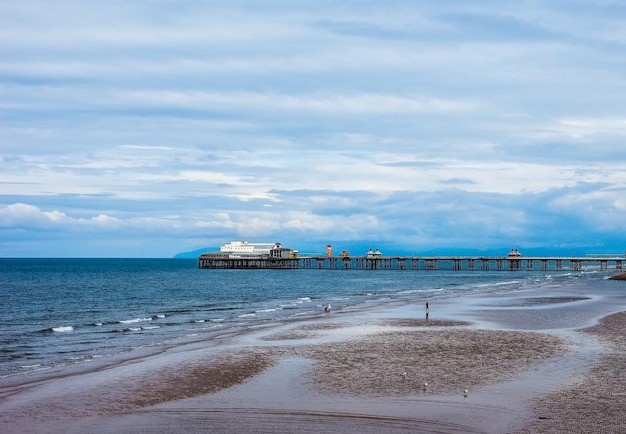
x=268 y=310
x=132 y=321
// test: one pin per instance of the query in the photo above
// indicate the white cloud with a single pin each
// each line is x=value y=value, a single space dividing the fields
x=21 y=214
x=582 y=128
x=336 y=104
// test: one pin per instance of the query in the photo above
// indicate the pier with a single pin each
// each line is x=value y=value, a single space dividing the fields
x=457 y=263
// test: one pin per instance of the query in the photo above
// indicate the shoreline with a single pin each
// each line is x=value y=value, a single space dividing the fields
x=360 y=371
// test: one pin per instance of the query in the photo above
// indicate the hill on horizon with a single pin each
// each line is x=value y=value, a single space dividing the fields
x=194 y=253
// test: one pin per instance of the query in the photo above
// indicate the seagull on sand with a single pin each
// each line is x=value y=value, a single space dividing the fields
x=327 y=308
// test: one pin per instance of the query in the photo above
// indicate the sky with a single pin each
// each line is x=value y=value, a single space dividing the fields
x=150 y=128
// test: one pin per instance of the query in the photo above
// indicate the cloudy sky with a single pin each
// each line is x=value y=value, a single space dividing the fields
x=148 y=128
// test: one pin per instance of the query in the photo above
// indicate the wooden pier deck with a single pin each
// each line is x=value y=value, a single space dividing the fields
x=485 y=263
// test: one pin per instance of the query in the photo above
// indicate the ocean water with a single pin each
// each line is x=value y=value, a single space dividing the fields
x=64 y=311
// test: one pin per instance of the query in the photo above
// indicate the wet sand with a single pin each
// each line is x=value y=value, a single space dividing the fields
x=364 y=371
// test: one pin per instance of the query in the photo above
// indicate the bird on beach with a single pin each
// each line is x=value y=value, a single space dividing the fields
x=327 y=308
x=465 y=393
x=425 y=386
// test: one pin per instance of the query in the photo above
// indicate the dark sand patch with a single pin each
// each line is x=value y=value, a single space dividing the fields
x=596 y=402
x=192 y=379
x=398 y=364
x=613 y=328
x=323 y=326
x=621 y=276
x=536 y=301
x=424 y=323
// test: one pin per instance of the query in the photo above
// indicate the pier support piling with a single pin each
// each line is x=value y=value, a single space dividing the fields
x=430 y=264
x=220 y=261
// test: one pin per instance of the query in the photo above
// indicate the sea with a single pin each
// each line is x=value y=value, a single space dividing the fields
x=57 y=312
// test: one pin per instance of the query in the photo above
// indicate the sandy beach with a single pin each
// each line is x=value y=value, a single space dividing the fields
x=470 y=367
x=595 y=402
